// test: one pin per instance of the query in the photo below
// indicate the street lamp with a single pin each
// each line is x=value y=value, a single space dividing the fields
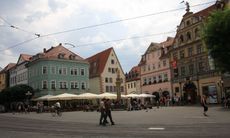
x=221 y=85
x=28 y=94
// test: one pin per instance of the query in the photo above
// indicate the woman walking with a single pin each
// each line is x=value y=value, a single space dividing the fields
x=204 y=104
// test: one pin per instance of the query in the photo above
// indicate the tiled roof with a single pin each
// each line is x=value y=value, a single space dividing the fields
x=205 y=12
x=168 y=42
x=98 y=62
x=8 y=67
x=25 y=57
x=53 y=52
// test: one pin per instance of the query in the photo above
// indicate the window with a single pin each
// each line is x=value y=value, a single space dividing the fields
x=145 y=81
x=83 y=85
x=131 y=85
x=64 y=71
x=111 y=80
x=181 y=54
x=164 y=63
x=134 y=84
x=153 y=66
x=154 y=79
x=199 y=49
x=74 y=85
x=106 y=80
x=112 y=61
x=196 y=32
x=182 y=71
x=165 y=77
x=128 y=86
x=113 y=70
x=176 y=89
x=44 y=84
x=188 y=36
x=82 y=72
x=60 y=71
x=109 y=69
x=160 y=78
x=53 y=70
x=201 y=66
x=107 y=88
x=190 y=51
x=150 y=81
x=191 y=69
x=44 y=70
x=63 y=85
x=159 y=64
x=53 y=84
x=111 y=88
x=149 y=68
x=175 y=56
x=181 y=39
x=188 y=23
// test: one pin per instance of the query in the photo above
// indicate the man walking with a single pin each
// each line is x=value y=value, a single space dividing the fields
x=108 y=111
x=102 y=120
x=204 y=104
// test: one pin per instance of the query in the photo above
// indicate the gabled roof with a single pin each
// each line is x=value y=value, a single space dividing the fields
x=23 y=58
x=98 y=62
x=53 y=52
x=8 y=67
x=168 y=42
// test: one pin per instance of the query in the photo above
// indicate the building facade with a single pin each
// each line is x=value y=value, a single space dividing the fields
x=193 y=70
x=133 y=81
x=155 y=69
x=104 y=69
x=19 y=73
x=58 y=70
x=4 y=76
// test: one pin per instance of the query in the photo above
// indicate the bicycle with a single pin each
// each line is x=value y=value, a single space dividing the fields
x=55 y=111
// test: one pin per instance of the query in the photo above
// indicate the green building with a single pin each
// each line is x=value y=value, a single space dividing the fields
x=56 y=71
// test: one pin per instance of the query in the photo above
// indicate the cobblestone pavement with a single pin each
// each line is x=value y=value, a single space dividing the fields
x=186 y=121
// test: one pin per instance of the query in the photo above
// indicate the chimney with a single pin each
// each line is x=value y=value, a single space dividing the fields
x=44 y=50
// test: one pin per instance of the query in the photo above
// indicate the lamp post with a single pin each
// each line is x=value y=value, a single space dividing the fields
x=221 y=85
x=118 y=85
x=28 y=94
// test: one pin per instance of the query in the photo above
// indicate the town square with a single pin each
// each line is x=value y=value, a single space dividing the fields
x=124 y=68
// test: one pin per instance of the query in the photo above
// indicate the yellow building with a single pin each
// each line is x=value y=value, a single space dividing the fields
x=4 y=76
x=193 y=70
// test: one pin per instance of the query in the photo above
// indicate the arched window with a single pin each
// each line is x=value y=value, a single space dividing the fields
x=196 y=32
x=181 y=39
x=188 y=36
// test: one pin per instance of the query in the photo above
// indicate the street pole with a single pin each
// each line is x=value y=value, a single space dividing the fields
x=118 y=85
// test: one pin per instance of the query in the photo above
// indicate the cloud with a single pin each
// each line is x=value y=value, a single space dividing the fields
x=45 y=17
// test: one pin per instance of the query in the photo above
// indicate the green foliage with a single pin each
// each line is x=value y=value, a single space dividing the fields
x=15 y=93
x=216 y=35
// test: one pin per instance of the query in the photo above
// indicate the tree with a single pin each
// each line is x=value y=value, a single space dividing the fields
x=216 y=35
x=16 y=93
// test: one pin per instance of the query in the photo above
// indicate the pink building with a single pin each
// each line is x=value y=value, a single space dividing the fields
x=155 y=69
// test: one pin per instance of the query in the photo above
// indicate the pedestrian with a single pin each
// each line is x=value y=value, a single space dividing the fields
x=108 y=111
x=102 y=120
x=204 y=104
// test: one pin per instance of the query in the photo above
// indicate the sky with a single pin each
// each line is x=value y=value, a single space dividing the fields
x=87 y=27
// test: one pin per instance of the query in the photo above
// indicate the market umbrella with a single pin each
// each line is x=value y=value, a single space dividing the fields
x=87 y=96
x=145 y=95
x=64 y=96
x=43 y=98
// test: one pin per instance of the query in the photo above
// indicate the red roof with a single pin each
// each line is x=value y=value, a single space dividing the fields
x=25 y=57
x=8 y=67
x=205 y=12
x=53 y=52
x=98 y=62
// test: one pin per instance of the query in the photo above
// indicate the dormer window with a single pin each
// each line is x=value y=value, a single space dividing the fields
x=61 y=55
x=72 y=57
